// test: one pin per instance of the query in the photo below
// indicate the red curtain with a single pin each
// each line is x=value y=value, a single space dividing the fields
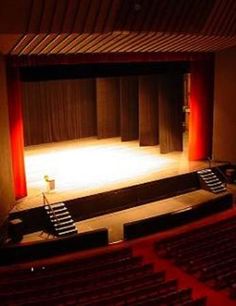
x=16 y=131
x=201 y=109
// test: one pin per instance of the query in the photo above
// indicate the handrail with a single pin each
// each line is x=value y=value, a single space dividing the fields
x=224 y=176
x=46 y=202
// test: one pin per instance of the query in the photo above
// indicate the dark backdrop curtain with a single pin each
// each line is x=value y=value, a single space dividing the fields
x=108 y=107
x=148 y=110
x=170 y=112
x=59 y=110
x=16 y=131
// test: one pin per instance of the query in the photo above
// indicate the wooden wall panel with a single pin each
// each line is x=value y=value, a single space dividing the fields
x=6 y=176
x=224 y=121
x=170 y=112
x=129 y=108
x=108 y=107
x=148 y=110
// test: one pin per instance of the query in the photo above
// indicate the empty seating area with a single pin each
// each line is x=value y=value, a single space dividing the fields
x=112 y=278
x=208 y=253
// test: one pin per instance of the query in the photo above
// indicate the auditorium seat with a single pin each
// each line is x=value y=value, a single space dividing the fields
x=208 y=252
x=110 y=278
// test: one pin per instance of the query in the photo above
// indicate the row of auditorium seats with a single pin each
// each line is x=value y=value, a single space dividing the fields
x=31 y=251
x=208 y=252
x=111 y=278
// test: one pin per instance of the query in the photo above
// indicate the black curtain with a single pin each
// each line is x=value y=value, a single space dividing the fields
x=59 y=110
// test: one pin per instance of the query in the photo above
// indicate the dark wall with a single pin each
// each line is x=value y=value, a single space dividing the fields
x=6 y=177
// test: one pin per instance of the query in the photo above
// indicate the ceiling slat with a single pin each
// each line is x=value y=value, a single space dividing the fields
x=43 y=44
x=81 y=15
x=37 y=11
x=103 y=13
x=92 y=16
x=56 y=41
x=70 y=15
x=32 y=44
x=116 y=26
x=64 y=42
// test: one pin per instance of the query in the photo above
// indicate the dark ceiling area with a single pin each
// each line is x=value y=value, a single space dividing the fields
x=56 y=72
x=51 y=27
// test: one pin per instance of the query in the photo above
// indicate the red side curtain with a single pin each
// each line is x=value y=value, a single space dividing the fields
x=201 y=109
x=16 y=131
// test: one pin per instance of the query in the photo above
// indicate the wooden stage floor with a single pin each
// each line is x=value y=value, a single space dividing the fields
x=89 y=166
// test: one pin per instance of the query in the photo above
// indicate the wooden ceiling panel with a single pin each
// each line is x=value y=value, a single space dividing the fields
x=128 y=42
x=103 y=13
x=8 y=41
x=81 y=16
x=70 y=15
x=63 y=43
x=111 y=40
x=222 y=19
x=143 y=43
x=47 y=16
x=14 y=16
x=22 y=43
x=94 y=44
x=35 y=16
x=53 y=43
x=92 y=26
x=112 y=15
x=47 y=40
x=59 y=16
x=91 y=19
x=35 y=41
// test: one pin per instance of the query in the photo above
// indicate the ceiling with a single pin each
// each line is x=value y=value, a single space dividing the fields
x=46 y=27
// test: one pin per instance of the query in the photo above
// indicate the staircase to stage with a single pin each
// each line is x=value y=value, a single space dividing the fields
x=210 y=181
x=61 y=221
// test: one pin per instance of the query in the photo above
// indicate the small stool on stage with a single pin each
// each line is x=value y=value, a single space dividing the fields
x=15 y=230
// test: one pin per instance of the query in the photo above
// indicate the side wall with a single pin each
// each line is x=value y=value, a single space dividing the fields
x=6 y=179
x=224 y=129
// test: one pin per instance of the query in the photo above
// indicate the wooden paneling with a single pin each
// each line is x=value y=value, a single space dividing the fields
x=108 y=107
x=170 y=112
x=129 y=108
x=148 y=110
x=224 y=145
x=121 y=25
x=6 y=177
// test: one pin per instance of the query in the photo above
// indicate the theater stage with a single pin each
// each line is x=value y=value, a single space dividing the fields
x=88 y=166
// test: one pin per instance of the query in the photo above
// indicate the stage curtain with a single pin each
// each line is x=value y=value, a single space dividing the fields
x=201 y=109
x=59 y=110
x=170 y=112
x=129 y=108
x=148 y=110
x=108 y=107
x=16 y=131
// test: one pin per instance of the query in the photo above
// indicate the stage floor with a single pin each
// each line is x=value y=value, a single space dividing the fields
x=115 y=221
x=89 y=166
